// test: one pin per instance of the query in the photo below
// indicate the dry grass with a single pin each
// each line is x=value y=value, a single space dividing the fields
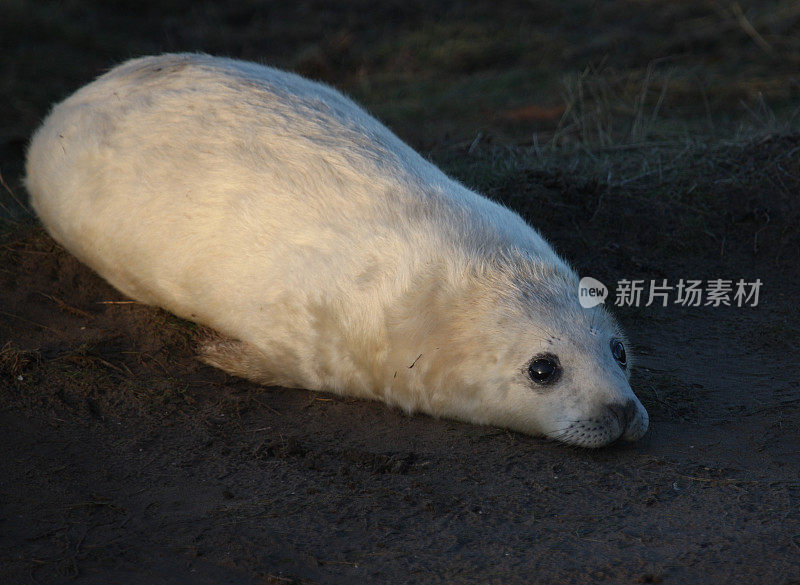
x=15 y=362
x=656 y=100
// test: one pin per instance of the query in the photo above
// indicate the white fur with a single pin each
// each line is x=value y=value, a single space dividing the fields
x=276 y=211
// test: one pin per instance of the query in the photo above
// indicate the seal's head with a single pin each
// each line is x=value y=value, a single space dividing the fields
x=566 y=367
x=521 y=352
x=577 y=378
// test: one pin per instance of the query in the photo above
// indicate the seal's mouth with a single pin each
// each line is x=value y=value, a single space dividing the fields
x=628 y=422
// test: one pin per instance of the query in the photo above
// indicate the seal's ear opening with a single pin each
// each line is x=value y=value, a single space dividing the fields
x=544 y=369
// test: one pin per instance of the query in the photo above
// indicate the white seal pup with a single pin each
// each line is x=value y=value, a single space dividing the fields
x=334 y=257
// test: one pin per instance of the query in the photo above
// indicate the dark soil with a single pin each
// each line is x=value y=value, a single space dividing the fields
x=124 y=460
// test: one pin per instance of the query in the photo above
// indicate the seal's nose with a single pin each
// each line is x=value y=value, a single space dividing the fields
x=624 y=413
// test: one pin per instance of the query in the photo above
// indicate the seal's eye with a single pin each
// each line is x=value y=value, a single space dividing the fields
x=618 y=351
x=544 y=369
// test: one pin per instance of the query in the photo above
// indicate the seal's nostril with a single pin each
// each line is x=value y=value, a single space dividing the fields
x=619 y=412
x=630 y=412
x=624 y=413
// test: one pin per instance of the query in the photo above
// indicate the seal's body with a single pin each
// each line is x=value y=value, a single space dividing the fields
x=276 y=211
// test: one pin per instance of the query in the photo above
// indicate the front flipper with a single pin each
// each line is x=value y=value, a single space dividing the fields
x=238 y=358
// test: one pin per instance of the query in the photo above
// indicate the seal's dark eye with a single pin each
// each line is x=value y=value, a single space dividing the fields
x=618 y=351
x=544 y=369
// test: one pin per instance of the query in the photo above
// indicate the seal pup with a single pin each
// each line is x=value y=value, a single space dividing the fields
x=328 y=253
